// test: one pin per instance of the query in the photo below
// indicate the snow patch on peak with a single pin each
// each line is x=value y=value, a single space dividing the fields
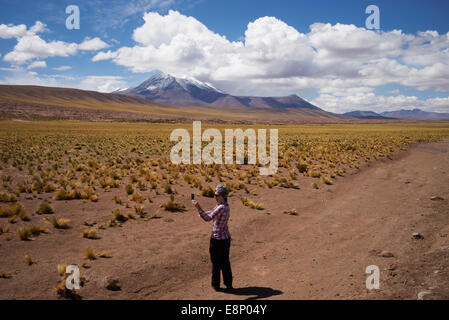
x=185 y=81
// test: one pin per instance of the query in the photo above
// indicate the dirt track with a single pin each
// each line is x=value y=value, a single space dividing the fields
x=323 y=253
x=320 y=254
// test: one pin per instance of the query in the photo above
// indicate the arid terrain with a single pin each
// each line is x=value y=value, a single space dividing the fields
x=295 y=242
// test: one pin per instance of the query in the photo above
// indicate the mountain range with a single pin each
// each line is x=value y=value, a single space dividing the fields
x=365 y=115
x=415 y=114
x=165 y=97
x=37 y=102
x=186 y=91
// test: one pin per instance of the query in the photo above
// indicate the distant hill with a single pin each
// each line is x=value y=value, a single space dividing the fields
x=165 y=88
x=365 y=115
x=36 y=102
x=416 y=114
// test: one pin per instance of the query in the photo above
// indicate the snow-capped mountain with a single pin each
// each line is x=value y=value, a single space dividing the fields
x=185 y=91
x=165 y=88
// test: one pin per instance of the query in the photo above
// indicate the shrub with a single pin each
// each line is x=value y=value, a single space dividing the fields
x=292 y=212
x=139 y=210
x=172 y=205
x=302 y=167
x=23 y=215
x=26 y=232
x=89 y=254
x=60 y=223
x=129 y=189
x=28 y=260
x=208 y=192
x=45 y=208
x=90 y=234
x=326 y=180
x=7 y=197
x=137 y=197
x=248 y=203
x=117 y=200
x=118 y=216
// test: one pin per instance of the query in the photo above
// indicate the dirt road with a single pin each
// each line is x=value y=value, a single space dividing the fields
x=321 y=253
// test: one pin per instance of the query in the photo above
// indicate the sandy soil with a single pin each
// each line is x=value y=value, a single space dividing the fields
x=321 y=253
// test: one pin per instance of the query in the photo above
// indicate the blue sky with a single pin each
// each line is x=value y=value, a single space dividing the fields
x=320 y=50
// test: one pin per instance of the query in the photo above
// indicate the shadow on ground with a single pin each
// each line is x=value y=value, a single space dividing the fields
x=255 y=292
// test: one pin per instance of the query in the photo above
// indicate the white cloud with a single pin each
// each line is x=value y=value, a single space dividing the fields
x=274 y=58
x=92 y=44
x=103 y=83
x=37 y=64
x=104 y=55
x=368 y=101
x=21 y=76
x=394 y=91
x=30 y=46
x=62 y=68
x=12 y=31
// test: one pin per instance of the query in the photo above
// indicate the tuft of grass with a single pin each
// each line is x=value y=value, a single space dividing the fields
x=172 y=205
x=13 y=210
x=23 y=215
x=89 y=254
x=26 y=232
x=5 y=275
x=59 y=223
x=62 y=195
x=302 y=167
x=90 y=234
x=45 y=208
x=139 y=210
x=130 y=215
x=167 y=188
x=28 y=260
x=119 y=216
x=208 y=192
x=117 y=200
x=62 y=269
x=4 y=197
x=253 y=205
x=326 y=180
x=137 y=197
x=314 y=185
x=103 y=254
x=129 y=188
x=292 y=212
x=156 y=215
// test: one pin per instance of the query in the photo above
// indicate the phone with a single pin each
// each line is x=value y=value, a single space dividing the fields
x=192 y=196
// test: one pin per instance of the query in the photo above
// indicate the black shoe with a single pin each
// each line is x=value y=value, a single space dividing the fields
x=229 y=289
x=216 y=288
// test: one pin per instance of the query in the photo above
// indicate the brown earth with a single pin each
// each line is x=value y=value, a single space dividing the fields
x=321 y=253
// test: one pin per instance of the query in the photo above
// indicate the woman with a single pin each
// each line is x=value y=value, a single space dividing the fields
x=220 y=240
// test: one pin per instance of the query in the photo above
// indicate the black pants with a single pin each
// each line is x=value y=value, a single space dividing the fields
x=219 y=256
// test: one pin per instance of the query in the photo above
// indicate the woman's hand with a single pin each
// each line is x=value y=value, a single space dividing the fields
x=196 y=204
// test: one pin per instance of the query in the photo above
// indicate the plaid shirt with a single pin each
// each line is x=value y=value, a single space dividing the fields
x=220 y=215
